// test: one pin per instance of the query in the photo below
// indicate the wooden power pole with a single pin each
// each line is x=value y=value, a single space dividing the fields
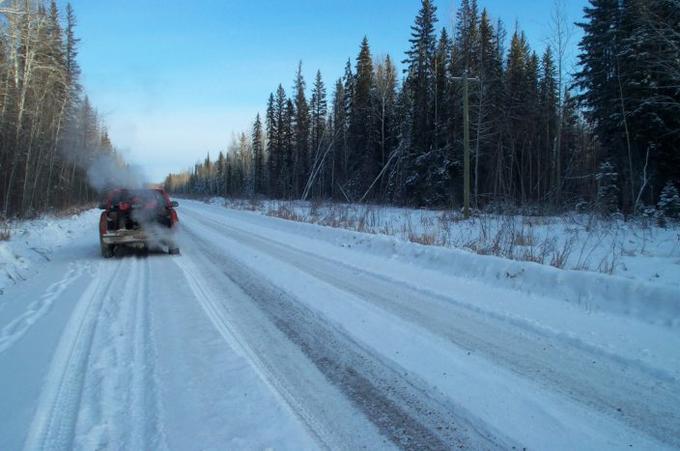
x=466 y=147
x=466 y=142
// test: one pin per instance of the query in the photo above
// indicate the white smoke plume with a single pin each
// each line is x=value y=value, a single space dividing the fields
x=106 y=172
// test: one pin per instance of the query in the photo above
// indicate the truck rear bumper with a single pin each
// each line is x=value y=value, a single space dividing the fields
x=125 y=237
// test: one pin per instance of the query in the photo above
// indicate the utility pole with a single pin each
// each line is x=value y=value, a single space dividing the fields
x=466 y=142
x=466 y=147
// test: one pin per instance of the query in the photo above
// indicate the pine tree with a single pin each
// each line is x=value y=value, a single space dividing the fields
x=601 y=84
x=488 y=112
x=273 y=147
x=547 y=161
x=343 y=155
x=607 y=189
x=418 y=85
x=442 y=86
x=385 y=106
x=301 y=157
x=318 y=126
x=516 y=94
x=467 y=37
x=280 y=148
x=258 y=173
x=72 y=66
x=669 y=201
x=288 y=148
x=651 y=100
x=220 y=188
x=337 y=125
x=362 y=165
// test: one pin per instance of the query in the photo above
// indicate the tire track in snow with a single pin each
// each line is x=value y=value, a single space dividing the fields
x=222 y=319
x=145 y=424
x=17 y=328
x=119 y=407
x=401 y=409
x=54 y=423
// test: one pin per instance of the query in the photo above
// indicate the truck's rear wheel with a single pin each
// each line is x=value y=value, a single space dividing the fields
x=107 y=250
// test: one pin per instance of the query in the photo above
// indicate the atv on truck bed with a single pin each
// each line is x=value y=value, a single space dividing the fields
x=142 y=218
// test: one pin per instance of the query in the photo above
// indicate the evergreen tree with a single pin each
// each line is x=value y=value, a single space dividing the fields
x=467 y=37
x=343 y=155
x=319 y=113
x=362 y=164
x=599 y=79
x=280 y=146
x=607 y=189
x=220 y=187
x=669 y=201
x=488 y=112
x=385 y=106
x=418 y=85
x=338 y=125
x=273 y=147
x=301 y=154
x=649 y=63
x=442 y=86
x=548 y=162
x=516 y=93
x=288 y=148
x=258 y=173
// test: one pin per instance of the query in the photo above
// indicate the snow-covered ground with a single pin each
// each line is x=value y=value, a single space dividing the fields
x=268 y=333
x=636 y=249
x=33 y=242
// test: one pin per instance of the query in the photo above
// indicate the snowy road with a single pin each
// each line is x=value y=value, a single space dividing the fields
x=262 y=336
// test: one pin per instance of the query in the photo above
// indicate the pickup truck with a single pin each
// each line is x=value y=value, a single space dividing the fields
x=141 y=218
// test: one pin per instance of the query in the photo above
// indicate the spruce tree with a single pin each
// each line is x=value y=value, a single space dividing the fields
x=669 y=201
x=362 y=165
x=258 y=157
x=599 y=80
x=548 y=164
x=337 y=125
x=385 y=107
x=488 y=109
x=283 y=157
x=219 y=175
x=301 y=159
x=273 y=147
x=319 y=113
x=418 y=85
x=288 y=150
x=607 y=189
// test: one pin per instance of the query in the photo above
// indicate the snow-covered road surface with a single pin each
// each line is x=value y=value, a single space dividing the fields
x=263 y=335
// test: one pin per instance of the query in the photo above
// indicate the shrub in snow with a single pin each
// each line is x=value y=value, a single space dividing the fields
x=582 y=207
x=669 y=202
x=607 y=189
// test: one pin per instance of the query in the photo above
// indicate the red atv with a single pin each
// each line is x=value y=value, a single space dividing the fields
x=142 y=218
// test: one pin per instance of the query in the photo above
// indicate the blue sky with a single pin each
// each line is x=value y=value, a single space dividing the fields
x=175 y=79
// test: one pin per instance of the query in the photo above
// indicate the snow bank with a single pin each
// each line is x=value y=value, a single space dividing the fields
x=32 y=242
x=656 y=303
x=636 y=249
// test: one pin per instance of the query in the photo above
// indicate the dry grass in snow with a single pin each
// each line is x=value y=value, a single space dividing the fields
x=636 y=249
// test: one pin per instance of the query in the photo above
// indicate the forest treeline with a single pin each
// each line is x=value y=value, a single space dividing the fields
x=606 y=136
x=49 y=131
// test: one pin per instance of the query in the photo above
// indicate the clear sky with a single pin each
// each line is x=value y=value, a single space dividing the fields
x=175 y=79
